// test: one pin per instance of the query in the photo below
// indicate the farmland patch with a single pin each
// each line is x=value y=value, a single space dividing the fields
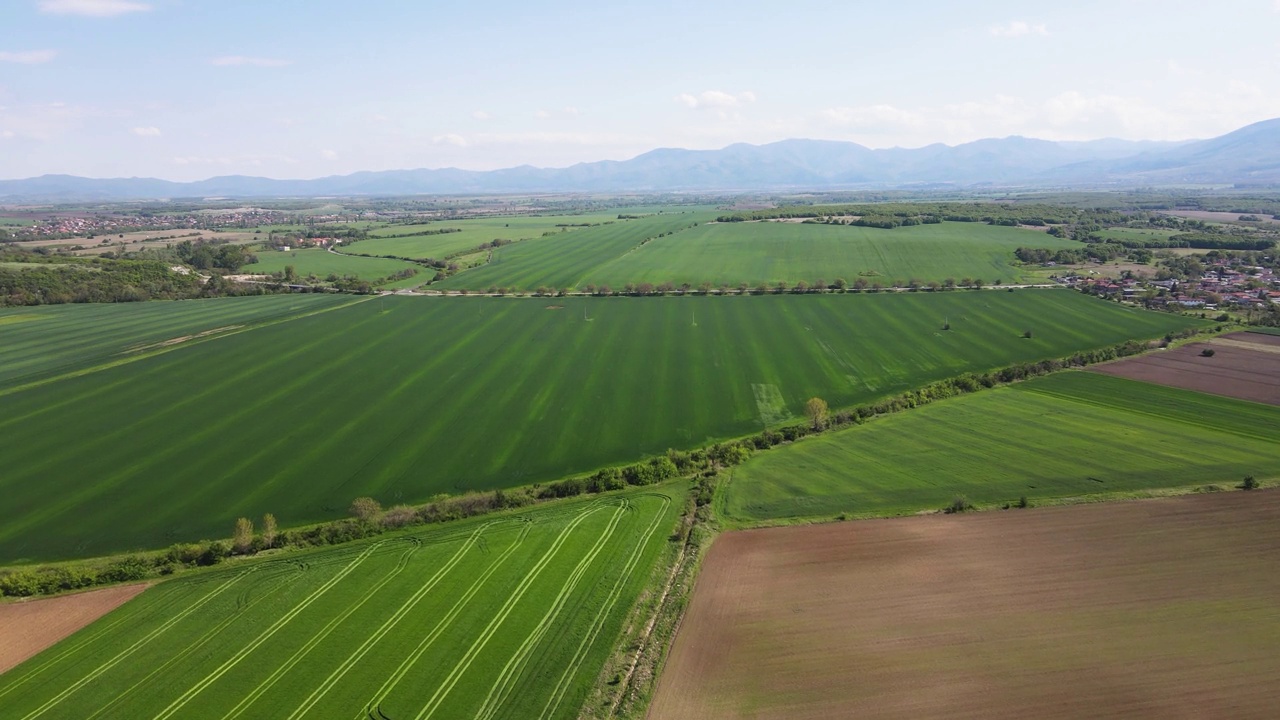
x=1068 y=435
x=1152 y=609
x=400 y=398
x=494 y=617
x=1240 y=365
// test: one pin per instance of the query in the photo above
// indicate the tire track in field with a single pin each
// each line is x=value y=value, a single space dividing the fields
x=275 y=627
x=597 y=624
x=442 y=624
x=319 y=637
x=320 y=691
x=123 y=654
x=192 y=647
x=501 y=688
x=487 y=634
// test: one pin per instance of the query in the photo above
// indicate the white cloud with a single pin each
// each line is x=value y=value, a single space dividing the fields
x=28 y=57
x=241 y=60
x=6 y=134
x=715 y=99
x=541 y=114
x=481 y=115
x=92 y=8
x=148 y=131
x=1018 y=28
x=571 y=110
x=329 y=154
x=450 y=139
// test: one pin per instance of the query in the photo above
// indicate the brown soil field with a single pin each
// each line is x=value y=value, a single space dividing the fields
x=1235 y=370
x=1164 y=608
x=27 y=627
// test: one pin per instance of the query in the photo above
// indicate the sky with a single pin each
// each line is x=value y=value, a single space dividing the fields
x=189 y=89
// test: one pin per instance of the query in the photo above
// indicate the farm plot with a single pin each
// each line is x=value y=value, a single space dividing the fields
x=1152 y=609
x=1067 y=435
x=501 y=617
x=400 y=398
x=473 y=233
x=322 y=263
x=768 y=252
x=39 y=341
x=1242 y=365
x=568 y=260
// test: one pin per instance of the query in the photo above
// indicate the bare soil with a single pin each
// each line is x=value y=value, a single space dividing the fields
x=27 y=627
x=1235 y=370
x=1163 y=608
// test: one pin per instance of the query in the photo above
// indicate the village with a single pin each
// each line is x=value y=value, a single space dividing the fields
x=1224 y=282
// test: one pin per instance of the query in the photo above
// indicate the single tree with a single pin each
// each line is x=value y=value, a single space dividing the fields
x=1249 y=483
x=816 y=410
x=242 y=538
x=366 y=509
x=269 y=530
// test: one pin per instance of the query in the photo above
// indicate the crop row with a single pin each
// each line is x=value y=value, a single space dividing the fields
x=478 y=620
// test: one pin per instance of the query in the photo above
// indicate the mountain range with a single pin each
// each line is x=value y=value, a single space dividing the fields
x=1248 y=156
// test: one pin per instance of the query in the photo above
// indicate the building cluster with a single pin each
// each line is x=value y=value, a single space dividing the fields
x=111 y=224
x=1225 y=283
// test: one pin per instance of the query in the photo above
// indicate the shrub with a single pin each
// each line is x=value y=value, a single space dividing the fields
x=958 y=504
x=1249 y=483
x=1207 y=352
x=399 y=516
x=365 y=509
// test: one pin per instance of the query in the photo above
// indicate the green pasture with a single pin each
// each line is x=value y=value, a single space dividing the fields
x=404 y=397
x=53 y=339
x=1067 y=435
x=474 y=233
x=759 y=252
x=769 y=252
x=322 y=263
x=509 y=616
x=570 y=259
x=1119 y=233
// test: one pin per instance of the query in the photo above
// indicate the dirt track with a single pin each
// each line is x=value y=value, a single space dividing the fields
x=1235 y=370
x=1152 y=609
x=28 y=627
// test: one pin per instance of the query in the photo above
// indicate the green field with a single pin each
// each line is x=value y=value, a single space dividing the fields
x=1117 y=233
x=53 y=339
x=476 y=233
x=768 y=252
x=1067 y=435
x=757 y=252
x=404 y=397
x=510 y=616
x=567 y=260
x=322 y=263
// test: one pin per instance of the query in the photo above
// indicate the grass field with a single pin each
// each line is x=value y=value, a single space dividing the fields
x=570 y=259
x=404 y=397
x=510 y=616
x=733 y=253
x=730 y=253
x=474 y=233
x=322 y=263
x=53 y=339
x=1066 y=435
x=1156 y=609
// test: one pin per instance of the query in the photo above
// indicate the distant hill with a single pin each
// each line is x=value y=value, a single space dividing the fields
x=1250 y=155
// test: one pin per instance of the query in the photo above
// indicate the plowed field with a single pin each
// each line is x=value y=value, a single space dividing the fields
x=1149 y=609
x=1243 y=365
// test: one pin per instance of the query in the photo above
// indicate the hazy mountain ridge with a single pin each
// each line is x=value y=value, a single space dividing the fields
x=1249 y=155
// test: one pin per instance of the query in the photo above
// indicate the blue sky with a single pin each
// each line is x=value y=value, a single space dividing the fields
x=187 y=89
